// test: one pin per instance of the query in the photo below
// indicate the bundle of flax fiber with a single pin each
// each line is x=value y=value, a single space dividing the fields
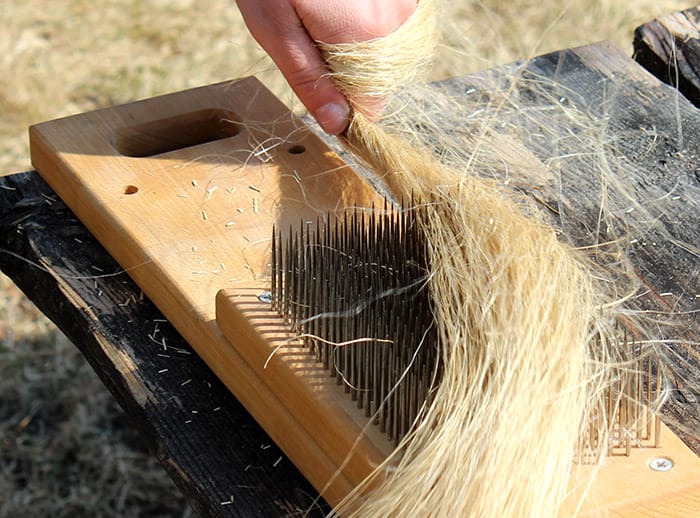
x=527 y=334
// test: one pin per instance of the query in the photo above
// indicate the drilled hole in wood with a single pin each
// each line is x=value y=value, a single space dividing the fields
x=179 y=132
x=296 y=149
x=131 y=189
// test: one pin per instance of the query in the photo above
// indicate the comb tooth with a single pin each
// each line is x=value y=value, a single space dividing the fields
x=637 y=399
x=273 y=271
x=281 y=296
x=340 y=295
x=397 y=329
x=305 y=269
x=343 y=296
x=398 y=398
x=317 y=254
x=331 y=301
x=649 y=380
x=309 y=309
x=376 y=366
x=282 y=261
x=417 y=337
x=657 y=420
x=295 y=283
x=360 y=359
x=299 y=278
x=352 y=328
x=400 y=250
x=379 y=330
x=366 y=332
x=628 y=416
x=400 y=369
x=629 y=397
x=326 y=299
x=384 y=311
x=321 y=297
x=356 y=325
x=302 y=301
x=402 y=404
x=315 y=250
x=280 y=277
x=363 y=325
x=290 y=282
x=288 y=279
x=376 y=381
x=312 y=289
x=381 y=387
x=349 y=283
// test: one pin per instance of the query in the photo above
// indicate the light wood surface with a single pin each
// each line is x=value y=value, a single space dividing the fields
x=190 y=221
x=628 y=486
x=302 y=385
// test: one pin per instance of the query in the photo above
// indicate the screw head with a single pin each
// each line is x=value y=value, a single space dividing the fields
x=265 y=297
x=661 y=464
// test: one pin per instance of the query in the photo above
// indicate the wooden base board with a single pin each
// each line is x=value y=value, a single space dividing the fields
x=183 y=191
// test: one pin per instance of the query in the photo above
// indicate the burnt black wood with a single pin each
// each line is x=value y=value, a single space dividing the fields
x=669 y=47
x=206 y=440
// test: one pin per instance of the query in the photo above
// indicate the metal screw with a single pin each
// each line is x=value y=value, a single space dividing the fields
x=265 y=297
x=661 y=464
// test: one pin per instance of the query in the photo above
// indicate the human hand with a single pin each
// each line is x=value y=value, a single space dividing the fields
x=288 y=30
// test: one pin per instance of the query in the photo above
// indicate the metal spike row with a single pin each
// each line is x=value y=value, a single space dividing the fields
x=362 y=277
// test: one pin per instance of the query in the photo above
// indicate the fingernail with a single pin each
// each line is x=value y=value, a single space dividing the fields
x=333 y=117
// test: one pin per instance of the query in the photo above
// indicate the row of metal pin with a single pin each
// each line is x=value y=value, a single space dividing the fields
x=355 y=288
x=627 y=403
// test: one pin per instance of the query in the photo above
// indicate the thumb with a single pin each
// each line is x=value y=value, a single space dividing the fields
x=285 y=39
x=303 y=67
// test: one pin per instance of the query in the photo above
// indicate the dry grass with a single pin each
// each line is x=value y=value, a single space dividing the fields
x=65 y=453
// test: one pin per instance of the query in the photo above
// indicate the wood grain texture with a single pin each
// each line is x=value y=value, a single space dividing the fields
x=627 y=486
x=282 y=362
x=210 y=445
x=596 y=78
x=669 y=47
x=189 y=221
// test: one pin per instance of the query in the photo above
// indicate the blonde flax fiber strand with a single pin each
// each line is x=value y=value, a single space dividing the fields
x=516 y=309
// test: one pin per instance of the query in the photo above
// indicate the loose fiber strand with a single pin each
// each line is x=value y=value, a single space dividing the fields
x=528 y=341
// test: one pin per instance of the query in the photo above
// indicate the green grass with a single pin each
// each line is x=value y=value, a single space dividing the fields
x=66 y=449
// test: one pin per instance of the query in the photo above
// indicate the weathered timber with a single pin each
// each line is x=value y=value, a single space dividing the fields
x=648 y=138
x=669 y=47
x=213 y=449
x=552 y=112
x=215 y=454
